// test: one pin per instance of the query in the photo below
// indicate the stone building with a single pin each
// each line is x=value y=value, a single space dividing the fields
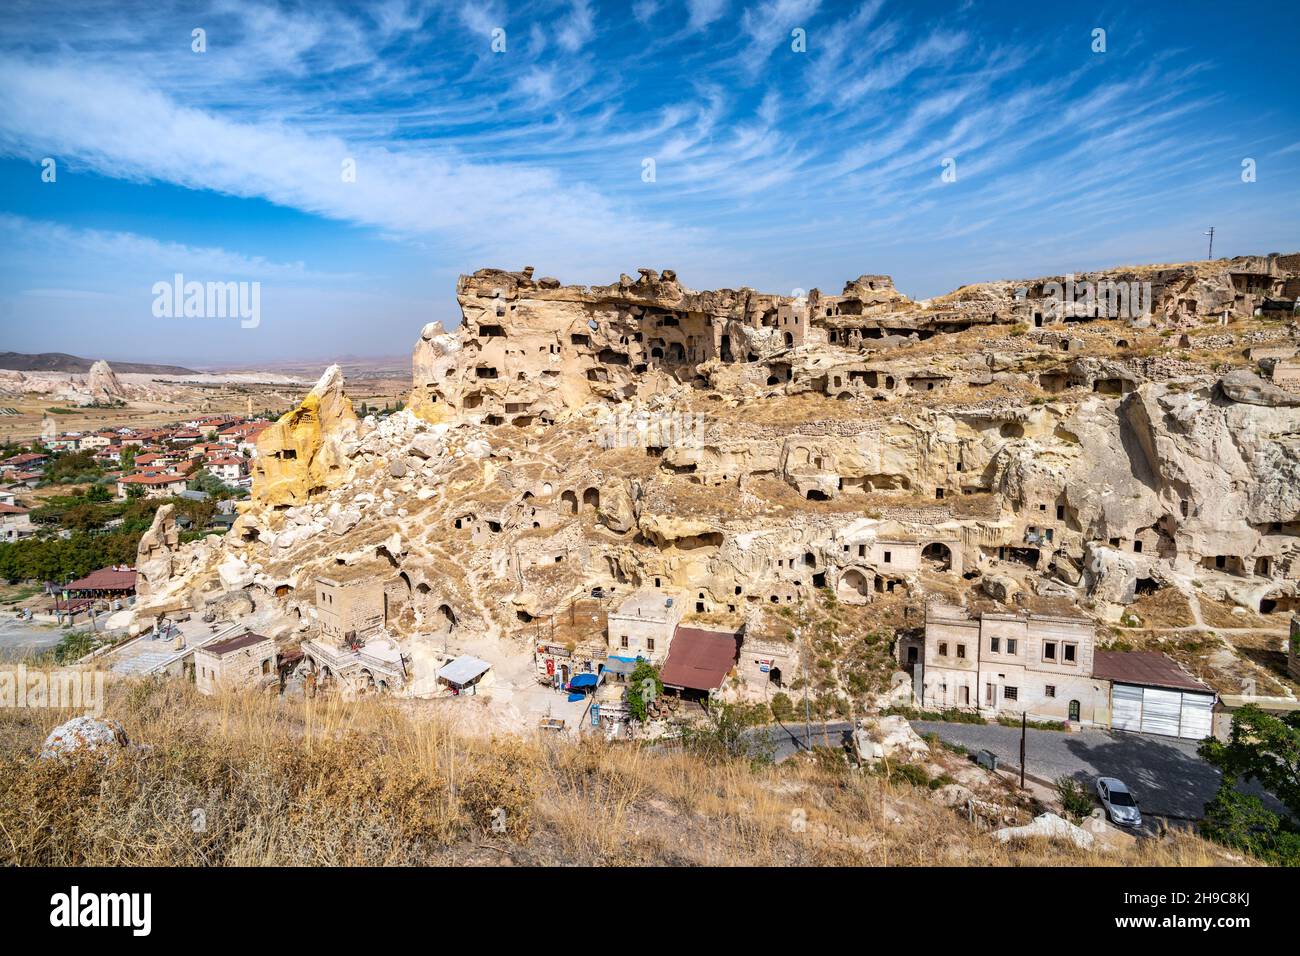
x=1011 y=662
x=643 y=625
x=1286 y=374
x=350 y=607
x=235 y=663
x=764 y=660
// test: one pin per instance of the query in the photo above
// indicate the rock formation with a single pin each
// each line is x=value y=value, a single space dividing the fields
x=305 y=453
x=1087 y=437
x=158 y=545
x=102 y=383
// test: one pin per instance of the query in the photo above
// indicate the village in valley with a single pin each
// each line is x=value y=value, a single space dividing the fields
x=906 y=533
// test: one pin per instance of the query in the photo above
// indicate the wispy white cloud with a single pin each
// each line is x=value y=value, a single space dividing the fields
x=115 y=249
x=577 y=28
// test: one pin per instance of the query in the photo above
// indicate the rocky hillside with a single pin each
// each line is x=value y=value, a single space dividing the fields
x=1105 y=440
x=62 y=362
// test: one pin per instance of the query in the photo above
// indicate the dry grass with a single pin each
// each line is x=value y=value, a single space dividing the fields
x=1164 y=608
x=331 y=783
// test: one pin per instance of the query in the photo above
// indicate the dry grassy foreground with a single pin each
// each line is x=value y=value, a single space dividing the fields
x=288 y=782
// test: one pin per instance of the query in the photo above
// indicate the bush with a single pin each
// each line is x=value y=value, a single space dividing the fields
x=782 y=707
x=725 y=735
x=643 y=686
x=1075 y=799
x=912 y=773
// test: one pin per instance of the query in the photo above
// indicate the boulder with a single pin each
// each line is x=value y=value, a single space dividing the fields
x=425 y=446
x=1000 y=587
x=235 y=573
x=888 y=737
x=1050 y=827
x=1244 y=386
x=83 y=735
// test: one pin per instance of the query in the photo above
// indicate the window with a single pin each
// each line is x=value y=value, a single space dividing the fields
x=1050 y=690
x=1010 y=693
x=622 y=641
x=943 y=648
x=649 y=643
x=888 y=555
x=1049 y=650
x=1011 y=645
x=995 y=644
x=961 y=651
x=1069 y=650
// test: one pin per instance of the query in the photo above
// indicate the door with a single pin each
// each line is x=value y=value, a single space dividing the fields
x=1126 y=707
x=1074 y=710
x=990 y=695
x=1197 y=712
x=1161 y=711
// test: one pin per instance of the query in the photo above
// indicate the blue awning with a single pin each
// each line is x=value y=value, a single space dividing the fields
x=582 y=680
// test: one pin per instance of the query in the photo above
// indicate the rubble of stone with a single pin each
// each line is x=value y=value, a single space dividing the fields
x=1080 y=437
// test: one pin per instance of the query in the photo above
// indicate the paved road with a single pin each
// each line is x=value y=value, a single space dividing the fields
x=1165 y=774
x=784 y=741
x=19 y=639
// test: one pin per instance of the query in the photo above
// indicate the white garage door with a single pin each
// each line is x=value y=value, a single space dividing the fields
x=1198 y=711
x=1169 y=713
x=1126 y=707
x=1162 y=711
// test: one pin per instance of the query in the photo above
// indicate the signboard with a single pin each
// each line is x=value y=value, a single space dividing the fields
x=764 y=666
x=595 y=715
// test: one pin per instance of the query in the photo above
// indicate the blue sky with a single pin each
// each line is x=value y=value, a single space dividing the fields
x=773 y=167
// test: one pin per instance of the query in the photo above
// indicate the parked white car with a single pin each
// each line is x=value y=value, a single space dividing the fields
x=1118 y=801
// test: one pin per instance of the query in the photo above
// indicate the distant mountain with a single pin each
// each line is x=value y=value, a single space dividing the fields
x=62 y=362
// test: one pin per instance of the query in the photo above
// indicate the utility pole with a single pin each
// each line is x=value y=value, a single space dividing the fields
x=1024 y=722
x=807 y=709
x=1210 y=254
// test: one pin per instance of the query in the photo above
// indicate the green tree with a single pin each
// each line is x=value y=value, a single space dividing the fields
x=98 y=493
x=728 y=732
x=643 y=686
x=1265 y=748
x=82 y=517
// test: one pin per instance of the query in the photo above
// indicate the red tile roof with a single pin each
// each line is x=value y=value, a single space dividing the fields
x=699 y=659
x=1147 y=668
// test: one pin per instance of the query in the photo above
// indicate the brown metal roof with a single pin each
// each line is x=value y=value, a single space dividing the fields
x=699 y=659
x=231 y=644
x=105 y=579
x=1147 y=668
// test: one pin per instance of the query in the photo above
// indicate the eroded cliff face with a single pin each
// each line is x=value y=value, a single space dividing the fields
x=305 y=452
x=749 y=451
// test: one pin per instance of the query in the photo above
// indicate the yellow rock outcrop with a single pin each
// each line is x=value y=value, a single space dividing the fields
x=302 y=454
